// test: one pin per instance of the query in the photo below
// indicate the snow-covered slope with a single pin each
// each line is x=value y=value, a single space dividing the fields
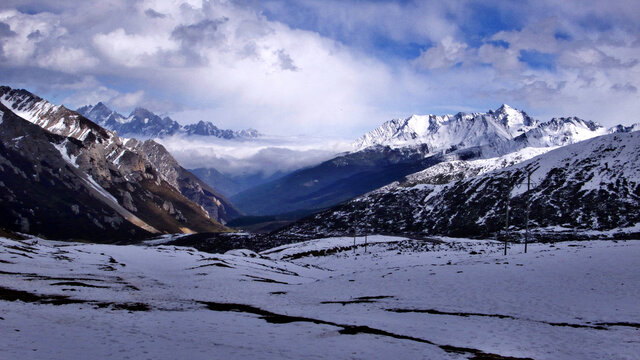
x=54 y=118
x=456 y=169
x=591 y=185
x=564 y=131
x=324 y=299
x=144 y=123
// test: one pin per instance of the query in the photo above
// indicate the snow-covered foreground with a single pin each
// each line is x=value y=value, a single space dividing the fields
x=454 y=299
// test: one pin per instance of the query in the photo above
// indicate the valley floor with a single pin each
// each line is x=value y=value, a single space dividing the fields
x=321 y=299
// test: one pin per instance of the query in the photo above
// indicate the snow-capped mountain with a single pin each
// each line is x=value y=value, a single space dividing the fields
x=144 y=123
x=593 y=185
x=402 y=147
x=564 y=131
x=208 y=129
x=440 y=132
x=141 y=122
x=503 y=130
x=59 y=166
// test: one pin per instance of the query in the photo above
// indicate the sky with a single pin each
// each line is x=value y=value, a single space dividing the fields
x=327 y=67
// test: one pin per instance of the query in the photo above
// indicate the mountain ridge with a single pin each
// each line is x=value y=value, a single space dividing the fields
x=96 y=162
x=592 y=185
x=144 y=123
x=399 y=148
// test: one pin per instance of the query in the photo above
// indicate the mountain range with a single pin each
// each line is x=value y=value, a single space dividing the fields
x=144 y=123
x=402 y=147
x=593 y=185
x=67 y=177
x=64 y=176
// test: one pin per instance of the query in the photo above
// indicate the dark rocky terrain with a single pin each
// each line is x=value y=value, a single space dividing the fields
x=64 y=177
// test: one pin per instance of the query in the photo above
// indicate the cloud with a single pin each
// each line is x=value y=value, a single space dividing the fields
x=446 y=53
x=286 y=63
x=132 y=50
x=127 y=100
x=154 y=14
x=5 y=30
x=627 y=88
x=66 y=59
x=327 y=67
x=203 y=32
x=265 y=156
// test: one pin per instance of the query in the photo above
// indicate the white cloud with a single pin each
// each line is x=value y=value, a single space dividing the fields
x=447 y=53
x=133 y=50
x=266 y=155
x=127 y=100
x=69 y=60
x=91 y=93
x=229 y=63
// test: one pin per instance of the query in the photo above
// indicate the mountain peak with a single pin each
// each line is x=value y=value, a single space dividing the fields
x=441 y=132
x=515 y=121
x=140 y=111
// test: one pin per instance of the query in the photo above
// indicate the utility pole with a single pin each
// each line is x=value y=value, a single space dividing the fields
x=355 y=226
x=366 y=227
x=526 y=234
x=365 y=240
x=507 y=194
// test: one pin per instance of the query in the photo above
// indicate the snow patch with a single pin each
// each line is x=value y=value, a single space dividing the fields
x=62 y=149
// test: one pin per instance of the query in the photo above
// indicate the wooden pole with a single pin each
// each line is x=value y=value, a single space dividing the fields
x=365 y=241
x=526 y=234
x=355 y=217
x=507 y=194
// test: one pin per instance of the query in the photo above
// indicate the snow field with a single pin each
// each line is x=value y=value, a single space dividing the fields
x=571 y=300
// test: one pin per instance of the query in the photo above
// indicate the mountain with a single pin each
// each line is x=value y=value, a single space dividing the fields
x=441 y=132
x=228 y=184
x=503 y=130
x=190 y=185
x=208 y=129
x=67 y=177
x=402 y=147
x=144 y=123
x=593 y=185
x=333 y=181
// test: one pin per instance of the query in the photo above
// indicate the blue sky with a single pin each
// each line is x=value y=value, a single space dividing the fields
x=332 y=68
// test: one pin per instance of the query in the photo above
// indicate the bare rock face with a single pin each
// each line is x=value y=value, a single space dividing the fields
x=127 y=202
x=216 y=205
x=60 y=167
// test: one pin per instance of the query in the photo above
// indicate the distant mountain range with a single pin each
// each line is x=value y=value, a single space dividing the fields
x=65 y=177
x=143 y=123
x=593 y=185
x=402 y=147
